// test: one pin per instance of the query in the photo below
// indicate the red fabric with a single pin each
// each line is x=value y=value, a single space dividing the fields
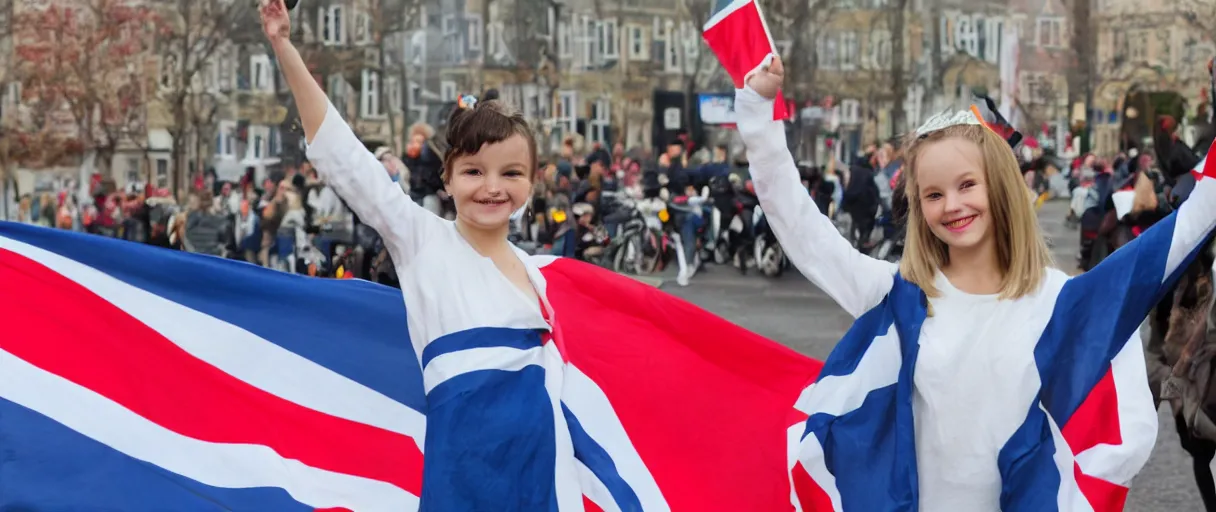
x=177 y=390
x=705 y=403
x=741 y=43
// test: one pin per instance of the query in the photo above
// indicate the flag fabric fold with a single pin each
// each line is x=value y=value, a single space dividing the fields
x=139 y=379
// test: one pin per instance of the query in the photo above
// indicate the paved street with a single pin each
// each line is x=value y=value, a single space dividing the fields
x=792 y=311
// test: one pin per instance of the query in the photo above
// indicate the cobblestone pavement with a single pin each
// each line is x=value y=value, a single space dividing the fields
x=796 y=313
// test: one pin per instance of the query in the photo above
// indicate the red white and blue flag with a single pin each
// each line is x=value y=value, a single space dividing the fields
x=140 y=379
x=738 y=35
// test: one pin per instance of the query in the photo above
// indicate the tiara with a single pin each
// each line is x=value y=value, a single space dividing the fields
x=467 y=101
x=947 y=119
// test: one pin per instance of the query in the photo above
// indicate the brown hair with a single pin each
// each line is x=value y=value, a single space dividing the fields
x=1022 y=254
x=488 y=122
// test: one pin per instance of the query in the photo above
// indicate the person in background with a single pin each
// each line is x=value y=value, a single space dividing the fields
x=272 y=208
x=671 y=165
x=206 y=229
x=424 y=167
x=397 y=170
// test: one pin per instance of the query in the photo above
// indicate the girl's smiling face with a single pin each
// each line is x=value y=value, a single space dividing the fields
x=953 y=193
x=491 y=184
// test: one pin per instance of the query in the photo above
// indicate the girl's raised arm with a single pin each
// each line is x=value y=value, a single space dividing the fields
x=1098 y=311
x=338 y=155
x=857 y=282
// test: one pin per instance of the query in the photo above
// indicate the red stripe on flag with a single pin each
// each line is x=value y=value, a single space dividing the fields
x=1103 y=496
x=102 y=348
x=811 y=497
x=1096 y=421
x=1209 y=165
x=590 y=506
x=705 y=403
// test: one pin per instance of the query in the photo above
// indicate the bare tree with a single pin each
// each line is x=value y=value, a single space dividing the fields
x=697 y=62
x=798 y=27
x=392 y=21
x=193 y=35
x=897 y=13
x=80 y=67
x=1081 y=75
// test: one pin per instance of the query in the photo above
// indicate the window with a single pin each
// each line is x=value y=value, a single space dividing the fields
x=226 y=68
x=565 y=42
x=550 y=23
x=1165 y=46
x=658 y=42
x=1050 y=32
x=257 y=142
x=672 y=61
x=783 y=48
x=848 y=50
x=992 y=41
x=168 y=72
x=880 y=49
x=369 y=94
x=827 y=51
x=393 y=87
x=601 y=121
x=448 y=90
x=260 y=73
x=609 y=47
x=850 y=112
x=495 y=45
x=333 y=31
x=692 y=47
x=132 y=169
x=475 y=31
x=1138 y=45
x=586 y=41
x=225 y=139
x=566 y=117
x=337 y=92
x=638 y=48
x=418 y=110
x=1037 y=88
x=363 y=27
x=162 y=172
x=965 y=38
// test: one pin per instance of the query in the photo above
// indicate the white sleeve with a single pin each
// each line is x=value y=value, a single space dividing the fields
x=857 y=282
x=358 y=178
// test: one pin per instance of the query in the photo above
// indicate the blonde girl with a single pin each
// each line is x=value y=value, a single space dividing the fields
x=955 y=387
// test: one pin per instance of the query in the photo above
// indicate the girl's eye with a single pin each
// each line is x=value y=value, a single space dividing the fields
x=514 y=173
x=967 y=185
x=472 y=172
x=933 y=196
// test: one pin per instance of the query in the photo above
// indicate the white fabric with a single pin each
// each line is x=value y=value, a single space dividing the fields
x=448 y=288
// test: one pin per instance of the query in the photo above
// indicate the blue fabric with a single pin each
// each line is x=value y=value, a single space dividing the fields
x=47 y=467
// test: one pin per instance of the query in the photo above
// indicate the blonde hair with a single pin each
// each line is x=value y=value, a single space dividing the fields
x=1022 y=255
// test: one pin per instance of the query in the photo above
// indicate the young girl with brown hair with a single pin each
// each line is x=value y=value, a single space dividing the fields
x=476 y=309
x=956 y=385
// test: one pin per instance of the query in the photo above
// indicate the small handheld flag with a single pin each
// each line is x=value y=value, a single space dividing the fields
x=739 y=37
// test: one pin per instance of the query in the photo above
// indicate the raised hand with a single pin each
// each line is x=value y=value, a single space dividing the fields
x=275 y=22
x=767 y=80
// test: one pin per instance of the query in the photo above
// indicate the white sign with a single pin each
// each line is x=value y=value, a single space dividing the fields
x=671 y=119
x=717 y=109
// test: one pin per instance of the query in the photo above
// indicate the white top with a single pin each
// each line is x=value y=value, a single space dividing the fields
x=975 y=376
x=448 y=287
